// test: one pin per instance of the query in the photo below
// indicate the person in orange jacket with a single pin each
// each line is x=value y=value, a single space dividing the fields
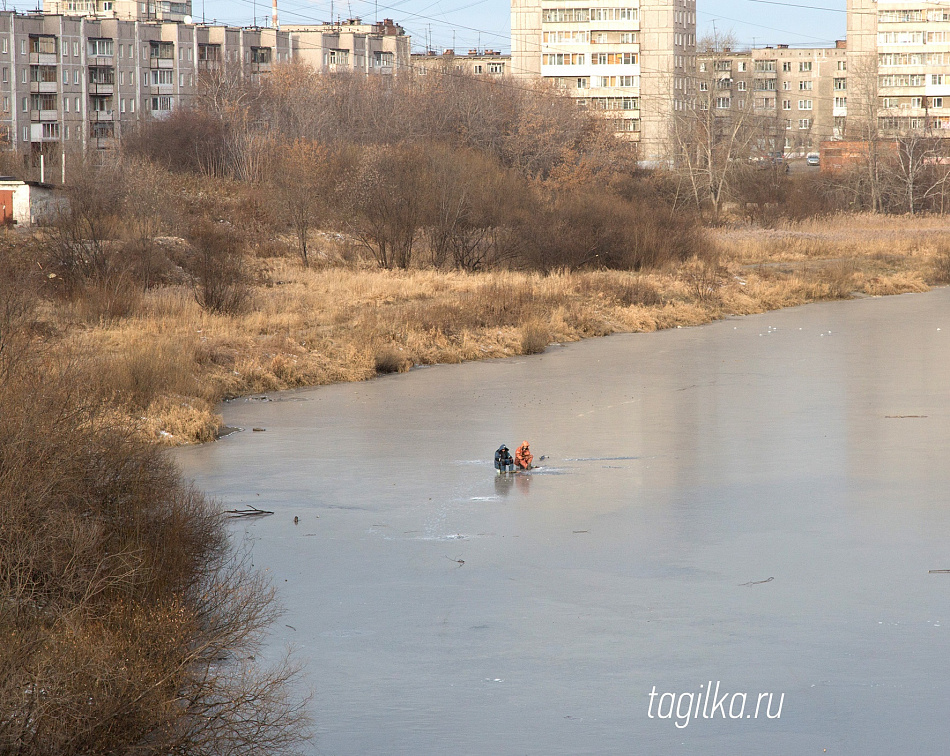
x=523 y=456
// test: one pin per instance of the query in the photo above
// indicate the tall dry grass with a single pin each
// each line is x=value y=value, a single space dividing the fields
x=170 y=361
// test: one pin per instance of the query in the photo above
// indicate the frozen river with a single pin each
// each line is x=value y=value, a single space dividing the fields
x=755 y=503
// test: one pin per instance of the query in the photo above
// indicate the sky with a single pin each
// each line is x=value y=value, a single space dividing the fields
x=485 y=24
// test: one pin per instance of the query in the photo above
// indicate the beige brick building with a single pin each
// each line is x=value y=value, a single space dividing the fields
x=632 y=59
x=798 y=94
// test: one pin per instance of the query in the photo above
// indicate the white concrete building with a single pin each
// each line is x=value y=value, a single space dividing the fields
x=632 y=59
x=899 y=64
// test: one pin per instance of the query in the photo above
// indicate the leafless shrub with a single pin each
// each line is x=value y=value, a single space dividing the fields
x=217 y=269
x=129 y=623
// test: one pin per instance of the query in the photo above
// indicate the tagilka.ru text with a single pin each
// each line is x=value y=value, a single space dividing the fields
x=708 y=703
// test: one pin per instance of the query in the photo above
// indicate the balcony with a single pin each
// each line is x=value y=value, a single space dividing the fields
x=102 y=116
x=44 y=115
x=161 y=62
x=43 y=59
x=161 y=89
x=101 y=89
x=37 y=133
x=41 y=87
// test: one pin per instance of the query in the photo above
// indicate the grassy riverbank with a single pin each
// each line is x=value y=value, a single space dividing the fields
x=169 y=362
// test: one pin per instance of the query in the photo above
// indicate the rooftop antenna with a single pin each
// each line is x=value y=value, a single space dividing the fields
x=349 y=9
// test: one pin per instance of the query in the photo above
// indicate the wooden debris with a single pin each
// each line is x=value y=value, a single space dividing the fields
x=249 y=512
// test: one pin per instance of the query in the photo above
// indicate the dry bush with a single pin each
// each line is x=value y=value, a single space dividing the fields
x=535 y=337
x=129 y=623
x=941 y=263
x=388 y=360
x=147 y=370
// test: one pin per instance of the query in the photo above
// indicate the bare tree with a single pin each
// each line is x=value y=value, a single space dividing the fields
x=714 y=139
x=302 y=182
x=391 y=204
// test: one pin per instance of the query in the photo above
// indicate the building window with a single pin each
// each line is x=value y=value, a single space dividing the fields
x=841 y=84
x=75 y=49
x=78 y=103
x=262 y=55
x=477 y=69
x=6 y=74
x=804 y=123
x=804 y=104
x=26 y=104
x=841 y=102
x=842 y=65
x=45 y=45
x=5 y=46
x=161 y=103
x=65 y=104
x=76 y=77
x=162 y=77
x=804 y=66
x=161 y=50
x=786 y=66
x=496 y=68
x=582 y=82
x=786 y=104
x=741 y=86
x=100 y=47
x=805 y=86
x=936 y=102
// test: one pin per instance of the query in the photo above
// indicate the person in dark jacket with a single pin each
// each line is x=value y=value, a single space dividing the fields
x=503 y=460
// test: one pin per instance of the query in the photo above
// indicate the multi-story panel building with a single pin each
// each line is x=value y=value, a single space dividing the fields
x=633 y=59
x=797 y=95
x=75 y=82
x=352 y=45
x=486 y=63
x=899 y=60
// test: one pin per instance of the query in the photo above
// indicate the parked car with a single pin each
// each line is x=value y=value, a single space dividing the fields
x=813 y=158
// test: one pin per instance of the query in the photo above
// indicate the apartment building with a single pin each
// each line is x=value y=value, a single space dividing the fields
x=126 y=10
x=899 y=56
x=351 y=45
x=71 y=82
x=798 y=95
x=486 y=63
x=632 y=59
